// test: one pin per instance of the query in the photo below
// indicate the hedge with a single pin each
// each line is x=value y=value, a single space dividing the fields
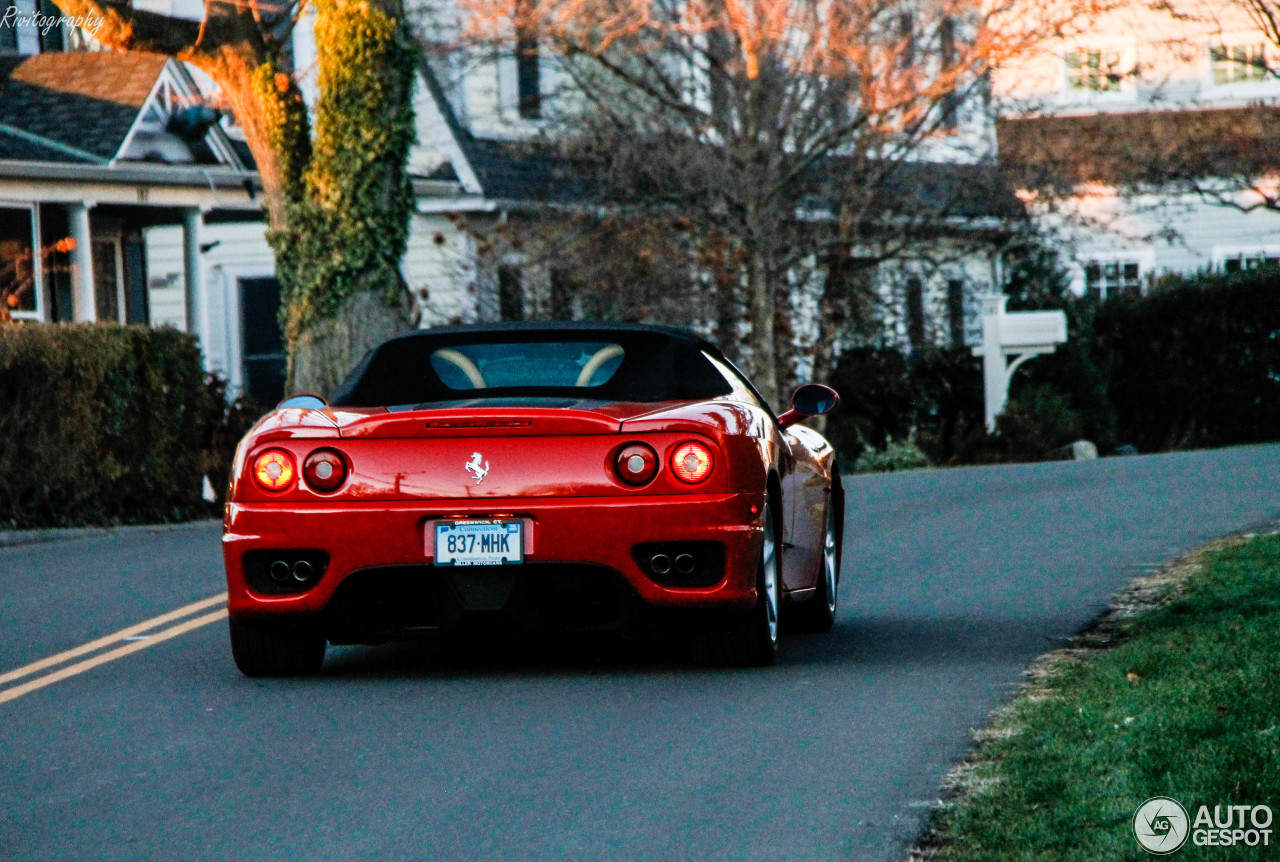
x=1194 y=363
x=933 y=397
x=101 y=424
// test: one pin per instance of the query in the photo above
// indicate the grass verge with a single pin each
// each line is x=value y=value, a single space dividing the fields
x=1175 y=692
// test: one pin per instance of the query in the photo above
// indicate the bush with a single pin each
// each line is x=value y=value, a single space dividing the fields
x=222 y=425
x=905 y=455
x=101 y=425
x=1196 y=362
x=933 y=397
x=1037 y=426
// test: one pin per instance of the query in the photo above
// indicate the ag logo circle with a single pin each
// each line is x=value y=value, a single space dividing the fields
x=1161 y=825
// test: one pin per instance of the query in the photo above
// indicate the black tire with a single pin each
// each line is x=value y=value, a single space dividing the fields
x=276 y=648
x=751 y=639
x=818 y=614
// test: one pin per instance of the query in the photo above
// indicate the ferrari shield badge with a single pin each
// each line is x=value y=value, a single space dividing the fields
x=475 y=469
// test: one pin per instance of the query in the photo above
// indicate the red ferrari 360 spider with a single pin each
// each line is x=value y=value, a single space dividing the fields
x=557 y=477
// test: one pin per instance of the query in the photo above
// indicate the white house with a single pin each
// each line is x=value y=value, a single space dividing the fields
x=1189 y=62
x=145 y=207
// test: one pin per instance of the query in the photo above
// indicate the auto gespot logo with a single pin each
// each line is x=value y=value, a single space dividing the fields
x=1161 y=825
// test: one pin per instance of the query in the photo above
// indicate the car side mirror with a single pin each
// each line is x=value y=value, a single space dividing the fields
x=811 y=399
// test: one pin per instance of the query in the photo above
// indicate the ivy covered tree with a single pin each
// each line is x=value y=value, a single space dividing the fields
x=337 y=201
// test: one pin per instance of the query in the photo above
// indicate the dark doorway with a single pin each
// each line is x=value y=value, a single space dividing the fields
x=262 y=346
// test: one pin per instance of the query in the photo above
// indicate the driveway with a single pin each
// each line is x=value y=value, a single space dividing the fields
x=954 y=580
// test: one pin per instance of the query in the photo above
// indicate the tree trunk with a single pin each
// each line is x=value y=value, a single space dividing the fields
x=339 y=254
x=327 y=351
x=762 y=360
x=833 y=309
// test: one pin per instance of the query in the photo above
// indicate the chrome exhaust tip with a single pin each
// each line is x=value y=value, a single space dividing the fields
x=280 y=571
x=685 y=564
x=301 y=571
x=660 y=564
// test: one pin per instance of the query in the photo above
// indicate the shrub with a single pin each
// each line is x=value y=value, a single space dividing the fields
x=1037 y=426
x=931 y=396
x=100 y=425
x=222 y=424
x=905 y=455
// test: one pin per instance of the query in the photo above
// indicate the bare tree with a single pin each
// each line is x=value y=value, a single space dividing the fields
x=792 y=128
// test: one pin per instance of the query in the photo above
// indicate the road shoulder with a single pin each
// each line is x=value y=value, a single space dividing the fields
x=1163 y=696
x=15 y=538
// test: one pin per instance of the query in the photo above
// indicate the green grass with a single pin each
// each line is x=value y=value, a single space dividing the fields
x=1187 y=706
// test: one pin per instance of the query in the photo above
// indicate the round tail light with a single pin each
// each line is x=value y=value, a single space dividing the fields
x=274 y=470
x=636 y=464
x=691 y=462
x=325 y=470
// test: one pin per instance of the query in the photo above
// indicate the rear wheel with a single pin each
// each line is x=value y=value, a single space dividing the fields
x=276 y=648
x=818 y=614
x=751 y=640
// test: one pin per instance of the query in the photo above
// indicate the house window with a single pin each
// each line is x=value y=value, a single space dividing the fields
x=1239 y=262
x=528 y=69
x=1094 y=71
x=8 y=28
x=955 y=310
x=18 y=285
x=528 y=79
x=510 y=294
x=562 y=295
x=907 y=33
x=1112 y=278
x=950 y=101
x=1233 y=64
x=915 y=312
x=51 y=37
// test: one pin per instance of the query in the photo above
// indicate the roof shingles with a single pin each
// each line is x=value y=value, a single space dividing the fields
x=84 y=100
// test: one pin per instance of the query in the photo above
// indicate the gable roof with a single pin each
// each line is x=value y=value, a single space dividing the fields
x=104 y=107
x=87 y=101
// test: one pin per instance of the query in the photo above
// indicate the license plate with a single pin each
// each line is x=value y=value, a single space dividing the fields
x=479 y=543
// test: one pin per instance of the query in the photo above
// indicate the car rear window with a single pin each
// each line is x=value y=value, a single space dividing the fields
x=453 y=366
x=573 y=364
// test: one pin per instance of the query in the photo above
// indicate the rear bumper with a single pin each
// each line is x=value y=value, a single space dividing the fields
x=596 y=531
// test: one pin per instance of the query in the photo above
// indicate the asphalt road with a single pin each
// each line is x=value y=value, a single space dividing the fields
x=953 y=582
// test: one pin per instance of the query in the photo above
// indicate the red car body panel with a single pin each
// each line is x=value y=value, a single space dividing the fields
x=581 y=531
x=551 y=467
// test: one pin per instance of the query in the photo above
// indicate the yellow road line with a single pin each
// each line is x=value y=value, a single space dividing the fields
x=185 y=610
x=80 y=667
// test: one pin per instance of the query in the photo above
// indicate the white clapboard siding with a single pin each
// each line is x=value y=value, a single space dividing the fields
x=235 y=251
x=439 y=267
x=1177 y=234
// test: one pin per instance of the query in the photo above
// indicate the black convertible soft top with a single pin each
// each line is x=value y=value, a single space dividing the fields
x=659 y=363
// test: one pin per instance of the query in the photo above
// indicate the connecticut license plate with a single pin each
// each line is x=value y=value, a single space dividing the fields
x=479 y=543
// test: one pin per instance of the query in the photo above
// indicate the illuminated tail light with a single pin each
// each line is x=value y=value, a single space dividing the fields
x=274 y=470
x=691 y=462
x=325 y=470
x=636 y=464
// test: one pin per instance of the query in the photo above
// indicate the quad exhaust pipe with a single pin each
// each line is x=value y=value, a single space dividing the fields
x=660 y=564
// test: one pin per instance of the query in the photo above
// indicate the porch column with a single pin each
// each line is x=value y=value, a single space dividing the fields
x=84 y=306
x=197 y=319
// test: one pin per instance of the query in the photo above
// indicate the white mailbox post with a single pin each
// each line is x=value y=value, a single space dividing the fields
x=1018 y=337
